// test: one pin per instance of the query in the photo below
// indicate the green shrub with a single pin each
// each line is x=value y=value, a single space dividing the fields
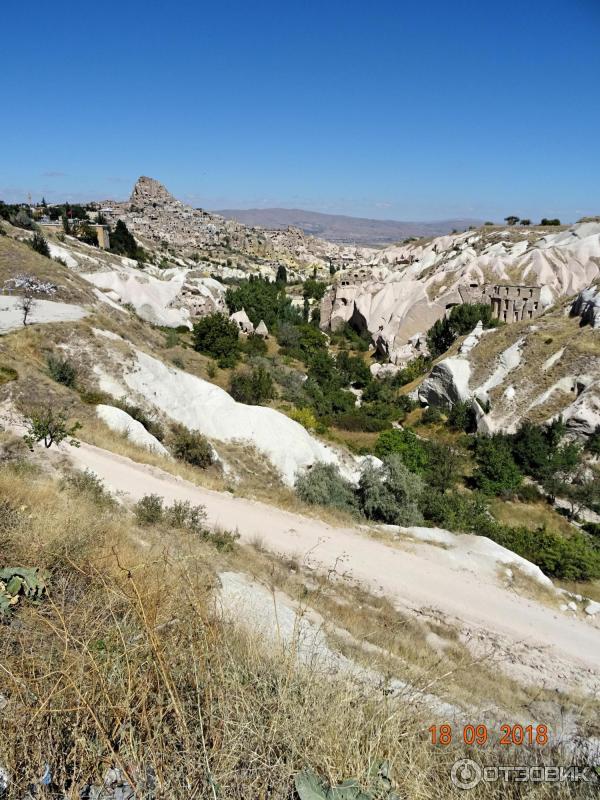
x=305 y=417
x=89 y=484
x=529 y=493
x=461 y=320
x=462 y=417
x=95 y=397
x=171 y=338
x=252 y=388
x=255 y=345
x=323 y=485
x=149 y=510
x=7 y=374
x=390 y=493
x=413 y=370
x=593 y=528
x=496 y=473
x=593 y=442
x=192 y=447
x=348 y=336
x=142 y=416
x=262 y=299
x=574 y=558
x=359 y=419
x=217 y=336
x=182 y=514
x=40 y=245
x=456 y=511
x=403 y=442
x=431 y=416
x=62 y=370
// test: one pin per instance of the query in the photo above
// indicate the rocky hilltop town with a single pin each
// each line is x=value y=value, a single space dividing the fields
x=167 y=224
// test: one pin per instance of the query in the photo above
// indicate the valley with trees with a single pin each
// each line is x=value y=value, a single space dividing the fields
x=300 y=499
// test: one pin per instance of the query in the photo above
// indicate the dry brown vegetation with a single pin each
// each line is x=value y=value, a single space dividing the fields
x=126 y=664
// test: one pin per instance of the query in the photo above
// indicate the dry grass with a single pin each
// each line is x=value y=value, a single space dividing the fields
x=398 y=645
x=17 y=257
x=530 y=515
x=124 y=664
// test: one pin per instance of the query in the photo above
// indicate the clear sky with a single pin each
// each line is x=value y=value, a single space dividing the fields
x=389 y=109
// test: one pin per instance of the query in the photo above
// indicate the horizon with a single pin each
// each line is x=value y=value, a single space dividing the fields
x=394 y=114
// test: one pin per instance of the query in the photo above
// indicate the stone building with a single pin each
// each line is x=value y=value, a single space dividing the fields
x=510 y=302
x=103 y=237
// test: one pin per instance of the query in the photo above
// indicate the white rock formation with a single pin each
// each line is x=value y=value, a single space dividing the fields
x=173 y=299
x=121 y=422
x=447 y=383
x=405 y=288
x=262 y=330
x=243 y=321
x=202 y=406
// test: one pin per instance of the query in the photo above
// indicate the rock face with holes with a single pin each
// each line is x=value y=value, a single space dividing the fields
x=404 y=289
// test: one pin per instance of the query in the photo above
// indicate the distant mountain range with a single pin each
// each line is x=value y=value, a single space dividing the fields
x=343 y=229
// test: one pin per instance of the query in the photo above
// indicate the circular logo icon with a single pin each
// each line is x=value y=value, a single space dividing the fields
x=465 y=774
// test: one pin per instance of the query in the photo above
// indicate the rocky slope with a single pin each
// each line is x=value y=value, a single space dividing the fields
x=532 y=371
x=402 y=290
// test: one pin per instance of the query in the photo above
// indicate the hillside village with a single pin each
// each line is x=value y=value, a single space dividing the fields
x=383 y=459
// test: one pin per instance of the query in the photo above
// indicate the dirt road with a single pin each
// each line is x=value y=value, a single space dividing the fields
x=417 y=576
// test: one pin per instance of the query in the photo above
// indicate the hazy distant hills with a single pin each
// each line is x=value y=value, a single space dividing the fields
x=343 y=229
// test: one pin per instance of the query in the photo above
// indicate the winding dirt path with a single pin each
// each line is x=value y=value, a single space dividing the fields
x=414 y=577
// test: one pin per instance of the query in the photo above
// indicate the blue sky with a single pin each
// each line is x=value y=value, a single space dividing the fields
x=390 y=109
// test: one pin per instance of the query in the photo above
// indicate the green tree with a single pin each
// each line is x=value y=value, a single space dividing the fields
x=313 y=290
x=443 y=466
x=252 y=388
x=390 y=493
x=262 y=299
x=281 y=276
x=511 y=220
x=403 y=443
x=323 y=485
x=525 y=222
x=496 y=472
x=217 y=336
x=40 y=245
x=461 y=320
x=49 y=426
x=122 y=241
x=462 y=417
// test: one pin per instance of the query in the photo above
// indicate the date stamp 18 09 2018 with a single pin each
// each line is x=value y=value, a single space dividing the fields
x=481 y=735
